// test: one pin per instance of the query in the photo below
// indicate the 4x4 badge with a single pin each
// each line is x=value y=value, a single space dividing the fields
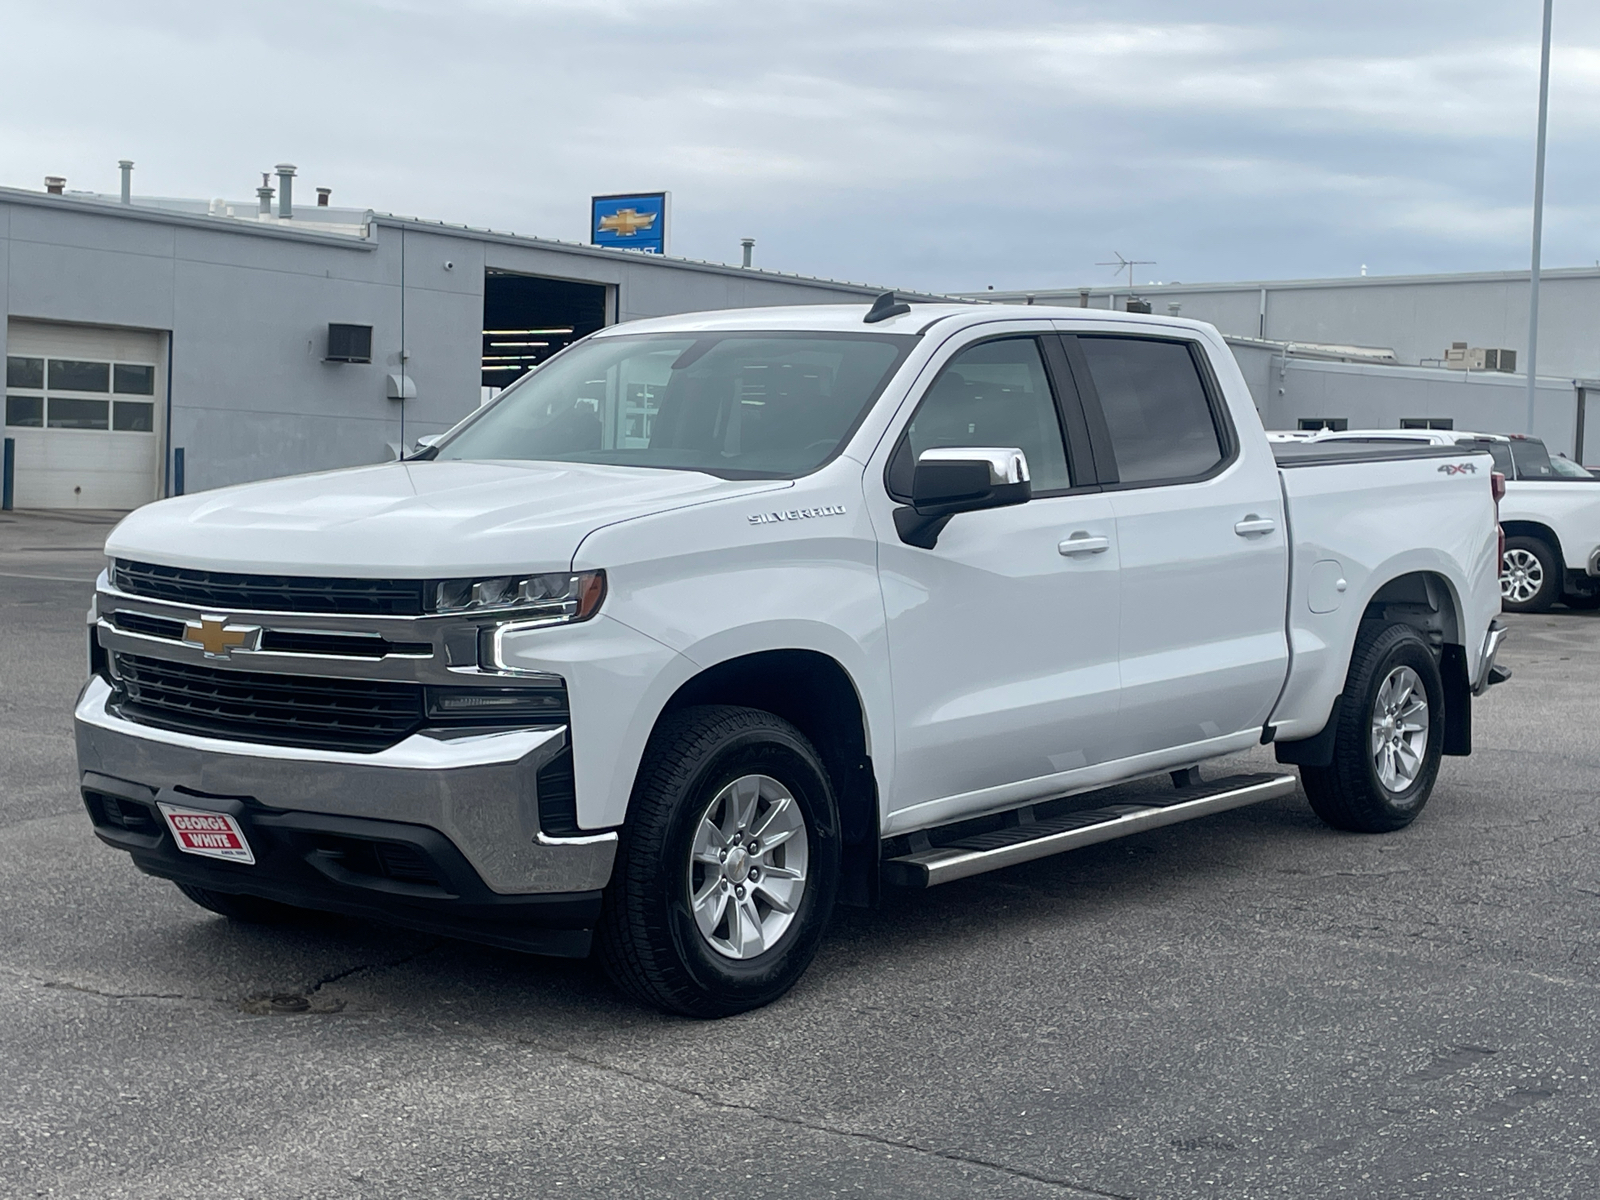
x=1459 y=469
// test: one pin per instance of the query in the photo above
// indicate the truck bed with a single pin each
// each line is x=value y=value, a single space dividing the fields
x=1322 y=454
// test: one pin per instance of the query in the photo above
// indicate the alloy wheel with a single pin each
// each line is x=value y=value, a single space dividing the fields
x=1399 y=729
x=747 y=866
x=1521 y=575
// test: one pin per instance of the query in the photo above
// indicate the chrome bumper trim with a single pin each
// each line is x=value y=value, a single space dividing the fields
x=478 y=790
x=1491 y=647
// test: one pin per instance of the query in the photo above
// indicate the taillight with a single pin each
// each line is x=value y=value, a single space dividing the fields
x=1497 y=489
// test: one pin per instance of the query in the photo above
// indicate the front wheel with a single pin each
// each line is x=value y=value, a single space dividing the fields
x=1530 y=575
x=728 y=866
x=1389 y=737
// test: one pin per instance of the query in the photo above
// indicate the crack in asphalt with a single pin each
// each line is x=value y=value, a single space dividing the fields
x=316 y=986
x=956 y=1156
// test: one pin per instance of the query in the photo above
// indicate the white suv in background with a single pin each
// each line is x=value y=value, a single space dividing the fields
x=1550 y=515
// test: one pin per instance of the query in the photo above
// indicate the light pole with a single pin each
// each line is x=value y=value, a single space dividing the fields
x=1538 y=216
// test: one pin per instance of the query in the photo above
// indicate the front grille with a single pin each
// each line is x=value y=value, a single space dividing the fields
x=283 y=710
x=283 y=641
x=269 y=593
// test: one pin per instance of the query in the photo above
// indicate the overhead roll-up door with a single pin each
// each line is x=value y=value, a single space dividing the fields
x=84 y=406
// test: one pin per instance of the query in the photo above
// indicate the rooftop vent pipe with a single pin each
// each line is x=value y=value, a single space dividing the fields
x=285 y=190
x=322 y=197
x=55 y=184
x=126 y=167
x=264 y=195
x=749 y=245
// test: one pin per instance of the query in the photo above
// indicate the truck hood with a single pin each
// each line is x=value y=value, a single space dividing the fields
x=417 y=519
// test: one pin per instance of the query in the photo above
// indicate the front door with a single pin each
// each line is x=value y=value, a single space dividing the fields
x=1003 y=637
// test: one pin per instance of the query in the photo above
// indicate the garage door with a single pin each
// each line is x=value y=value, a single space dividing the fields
x=83 y=405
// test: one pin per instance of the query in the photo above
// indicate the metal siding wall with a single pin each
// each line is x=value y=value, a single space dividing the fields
x=251 y=396
x=1379 y=397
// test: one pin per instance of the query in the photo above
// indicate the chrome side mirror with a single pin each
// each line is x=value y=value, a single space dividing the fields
x=957 y=479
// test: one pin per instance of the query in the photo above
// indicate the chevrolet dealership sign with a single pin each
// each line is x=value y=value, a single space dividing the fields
x=636 y=221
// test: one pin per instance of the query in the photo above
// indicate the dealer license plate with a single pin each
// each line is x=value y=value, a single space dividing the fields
x=208 y=834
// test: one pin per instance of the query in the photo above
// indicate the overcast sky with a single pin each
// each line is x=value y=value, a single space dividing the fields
x=930 y=144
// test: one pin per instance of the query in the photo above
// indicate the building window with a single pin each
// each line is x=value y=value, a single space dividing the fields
x=1319 y=424
x=134 y=416
x=27 y=411
x=69 y=393
x=1427 y=423
x=70 y=412
x=134 y=379
x=71 y=375
x=24 y=372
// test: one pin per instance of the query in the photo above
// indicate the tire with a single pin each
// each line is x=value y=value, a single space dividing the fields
x=693 y=785
x=1367 y=789
x=1530 y=575
x=251 y=910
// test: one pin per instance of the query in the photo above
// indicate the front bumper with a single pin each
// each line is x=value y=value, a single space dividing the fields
x=476 y=791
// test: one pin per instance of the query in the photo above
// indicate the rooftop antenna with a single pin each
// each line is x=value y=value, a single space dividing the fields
x=1129 y=264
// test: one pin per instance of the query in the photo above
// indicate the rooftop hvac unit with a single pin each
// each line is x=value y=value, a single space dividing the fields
x=1137 y=304
x=349 y=343
x=1461 y=357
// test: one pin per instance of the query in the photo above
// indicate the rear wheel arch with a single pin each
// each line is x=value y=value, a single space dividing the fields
x=1535 y=529
x=813 y=692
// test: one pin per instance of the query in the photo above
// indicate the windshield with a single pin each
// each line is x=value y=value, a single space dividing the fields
x=768 y=405
x=1568 y=469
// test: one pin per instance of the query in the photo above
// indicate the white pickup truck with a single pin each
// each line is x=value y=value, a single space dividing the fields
x=715 y=620
x=1550 y=513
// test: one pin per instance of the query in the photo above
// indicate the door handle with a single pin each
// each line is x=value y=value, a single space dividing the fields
x=1253 y=525
x=1083 y=543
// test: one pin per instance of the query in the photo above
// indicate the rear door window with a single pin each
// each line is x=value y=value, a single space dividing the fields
x=1158 y=413
x=1532 y=459
x=1499 y=451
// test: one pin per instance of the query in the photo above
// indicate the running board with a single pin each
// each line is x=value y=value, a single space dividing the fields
x=1039 y=839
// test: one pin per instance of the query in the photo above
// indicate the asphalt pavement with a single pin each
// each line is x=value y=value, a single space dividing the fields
x=1250 y=1005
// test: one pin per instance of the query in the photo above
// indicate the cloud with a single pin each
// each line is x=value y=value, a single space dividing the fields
x=935 y=144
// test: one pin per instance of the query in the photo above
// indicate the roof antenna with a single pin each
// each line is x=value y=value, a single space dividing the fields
x=884 y=307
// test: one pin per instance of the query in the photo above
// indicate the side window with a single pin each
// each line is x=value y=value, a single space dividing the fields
x=1155 y=406
x=1532 y=459
x=992 y=394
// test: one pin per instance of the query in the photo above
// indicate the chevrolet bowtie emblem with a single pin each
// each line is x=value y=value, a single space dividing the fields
x=627 y=221
x=216 y=637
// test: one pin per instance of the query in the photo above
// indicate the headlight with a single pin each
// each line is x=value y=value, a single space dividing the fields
x=548 y=599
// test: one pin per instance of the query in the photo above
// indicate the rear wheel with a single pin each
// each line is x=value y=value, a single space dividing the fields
x=1389 y=738
x=1530 y=575
x=252 y=910
x=729 y=862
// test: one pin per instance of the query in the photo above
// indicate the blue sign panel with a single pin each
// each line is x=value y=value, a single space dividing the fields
x=633 y=222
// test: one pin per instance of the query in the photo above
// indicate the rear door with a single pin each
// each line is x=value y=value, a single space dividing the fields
x=1201 y=541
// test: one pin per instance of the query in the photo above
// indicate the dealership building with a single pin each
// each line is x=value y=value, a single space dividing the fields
x=155 y=346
